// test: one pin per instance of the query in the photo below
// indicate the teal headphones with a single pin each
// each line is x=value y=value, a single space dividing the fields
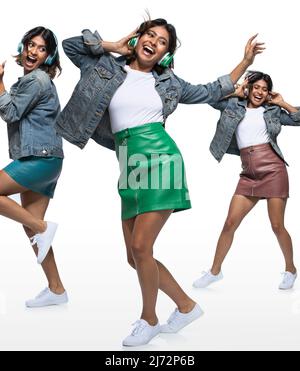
x=165 y=61
x=51 y=57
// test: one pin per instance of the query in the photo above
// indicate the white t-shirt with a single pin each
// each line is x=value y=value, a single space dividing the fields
x=136 y=102
x=252 y=130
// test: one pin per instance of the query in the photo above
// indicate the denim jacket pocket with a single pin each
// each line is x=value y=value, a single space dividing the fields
x=103 y=72
x=94 y=81
x=228 y=112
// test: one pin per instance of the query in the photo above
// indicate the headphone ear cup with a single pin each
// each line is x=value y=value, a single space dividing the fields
x=49 y=60
x=246 y=92
x=133 y=42
x=51 y=57
x=166 y=60
x=20 y=48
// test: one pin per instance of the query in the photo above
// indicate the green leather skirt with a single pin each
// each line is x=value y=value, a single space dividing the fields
x=38 y=174
x=152 y=171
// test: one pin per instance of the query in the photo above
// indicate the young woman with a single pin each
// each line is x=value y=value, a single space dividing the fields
x=30 y=111
x=122 y=103
x=248 y=127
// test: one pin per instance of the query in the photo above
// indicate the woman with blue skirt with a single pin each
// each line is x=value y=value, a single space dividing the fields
x=30 y=110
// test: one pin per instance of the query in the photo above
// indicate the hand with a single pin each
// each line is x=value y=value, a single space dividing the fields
x=240 y=89
x=2 y=65
x=275 y=98
x=122 y=47
x=252 y=48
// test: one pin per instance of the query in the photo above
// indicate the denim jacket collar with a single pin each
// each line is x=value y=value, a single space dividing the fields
x=267 y=107
x=121 y=61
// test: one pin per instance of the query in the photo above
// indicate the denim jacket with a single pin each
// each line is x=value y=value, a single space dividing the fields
x=30 y=111
x=86 y=114
x=233 y=111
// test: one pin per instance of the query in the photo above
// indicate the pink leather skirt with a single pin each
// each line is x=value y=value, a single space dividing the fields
x=264 y=173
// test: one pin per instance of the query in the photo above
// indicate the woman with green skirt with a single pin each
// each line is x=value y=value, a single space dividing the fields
x=122 y=103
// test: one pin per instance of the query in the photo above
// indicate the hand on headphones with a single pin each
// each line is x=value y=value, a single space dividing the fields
x=241 y=90
x=275 y=98
x=2 y=65
x=122 y=47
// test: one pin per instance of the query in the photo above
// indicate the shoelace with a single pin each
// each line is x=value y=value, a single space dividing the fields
x=139 y=327
x=173 y=318
x=33 y=240
x=42 y=293
x=286 y=277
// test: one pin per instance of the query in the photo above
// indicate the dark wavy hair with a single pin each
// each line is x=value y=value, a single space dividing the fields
x=173 y=40
x=51 y=47
x=254 y=76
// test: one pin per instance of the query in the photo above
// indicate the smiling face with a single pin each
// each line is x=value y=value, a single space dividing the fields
x=258 y=94
x=152 y=46
x=34 y=54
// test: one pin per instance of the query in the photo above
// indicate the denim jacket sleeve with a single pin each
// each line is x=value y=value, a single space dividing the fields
x=13 y=107
x=291 y=119
x=78 y=48
x=210 y=93
x=220 y=105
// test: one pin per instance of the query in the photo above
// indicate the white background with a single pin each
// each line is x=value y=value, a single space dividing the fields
x=244 y=311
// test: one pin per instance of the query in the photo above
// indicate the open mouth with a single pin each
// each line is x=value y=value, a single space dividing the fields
x=148 y=50
x=257 y=98
x=30 y=60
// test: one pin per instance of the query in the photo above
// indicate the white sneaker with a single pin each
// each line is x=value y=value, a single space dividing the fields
x=44 y=241
x=141 y=334
x=207 y=279
x=47 y=297
x=288 y=280
x=179 y=320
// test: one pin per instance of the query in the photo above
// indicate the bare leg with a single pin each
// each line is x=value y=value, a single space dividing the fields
x=37 y=204
x=144 y=233
x=167 y=283
x=276 y=210
x=239 y=207
x=12 y=210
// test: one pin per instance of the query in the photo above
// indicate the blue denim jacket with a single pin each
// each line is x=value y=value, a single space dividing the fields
x=86 y=114
x=233 y=111
x=30 y=111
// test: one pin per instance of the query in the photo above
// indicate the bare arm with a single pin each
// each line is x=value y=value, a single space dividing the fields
x=277 y=99
x=252 y=48
x=121 y=46
x=2 y=87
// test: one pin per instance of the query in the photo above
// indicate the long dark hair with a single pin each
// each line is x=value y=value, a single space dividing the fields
x=254 y=76
x=51 y=47
x=173 y=40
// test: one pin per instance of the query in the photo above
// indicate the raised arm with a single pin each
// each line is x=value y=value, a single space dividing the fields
x=209 y=93
x=2 y=87
x=81 y=48
x=213 y=92
x=289 y=114
x=90 y=45
x=252 y=48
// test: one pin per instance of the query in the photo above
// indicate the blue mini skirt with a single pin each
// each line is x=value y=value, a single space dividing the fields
x=38 y=174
